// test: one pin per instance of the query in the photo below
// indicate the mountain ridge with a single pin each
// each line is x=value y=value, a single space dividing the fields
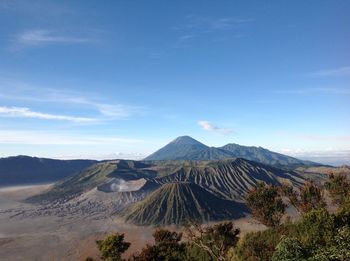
x=179 y=151
x=26 y=170
x=181 y=202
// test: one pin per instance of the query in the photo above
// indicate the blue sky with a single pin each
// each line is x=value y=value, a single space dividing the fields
x=85 y=79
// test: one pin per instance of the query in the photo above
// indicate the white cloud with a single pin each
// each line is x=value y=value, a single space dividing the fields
x=39 y=37
x=341 y=71
x=23 y=112
x=15 y=91
x=208 y=126
x=209 y=24
x=50 y=138
x=114 y=110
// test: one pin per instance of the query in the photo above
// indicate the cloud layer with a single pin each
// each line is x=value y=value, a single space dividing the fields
x=23 y=112
x=208 y=126
x=40 y=37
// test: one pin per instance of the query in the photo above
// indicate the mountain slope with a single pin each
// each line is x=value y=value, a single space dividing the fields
x=187 y=148
x=209 y=154
x=107 y=176
x=177 y=203
x=178 y=149
x=185 y=190
x=231 y=179
x=265 y=156
x=22 y=170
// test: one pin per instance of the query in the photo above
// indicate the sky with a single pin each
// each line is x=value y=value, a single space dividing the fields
x=85 y=79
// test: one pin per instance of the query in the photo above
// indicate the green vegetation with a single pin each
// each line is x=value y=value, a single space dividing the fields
x=203 y=243
x=112 y=247
x=266 y=204
x=308 y=197
x=318 y=235
x=167 y=247
x=338 y=188
x=215 y=241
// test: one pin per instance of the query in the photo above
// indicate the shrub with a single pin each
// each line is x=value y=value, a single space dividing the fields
x=266 y=204
x=261 y=245
x=290 y=249
x=340 y=250
x=215 y=240
x=317 y=228
x=112 y=247
x=167 y=247
x=309 y=197
x=338 y=187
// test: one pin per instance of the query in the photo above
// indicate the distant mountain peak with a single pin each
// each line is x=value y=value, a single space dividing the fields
x=178 y=149
x=188 y=140
x=187 y=148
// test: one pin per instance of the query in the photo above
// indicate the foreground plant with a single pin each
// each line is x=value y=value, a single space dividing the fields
x=112 y=247
x=215 y=240
x=266 y=204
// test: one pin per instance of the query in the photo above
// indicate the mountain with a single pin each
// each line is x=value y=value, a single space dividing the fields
x=108 y=176
x=232 y=178
x=265 y=156
x=178 y=149
x=187 y=148
x=163 y=192
x=177 y=203
x=22 y=170
x=210 y=153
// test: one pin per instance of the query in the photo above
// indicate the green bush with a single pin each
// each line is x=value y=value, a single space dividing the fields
x=167 y=247
x=338 y=187
x=316 y=228
x=266 y=204
x=340 y=250
x=290 y=249
x=261 y=245
x=112 y=247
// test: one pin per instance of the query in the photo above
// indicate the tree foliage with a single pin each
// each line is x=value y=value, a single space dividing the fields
x=290 y=249
x=112 y=247
x=266 y=204
x=338 y=187
x=261 y=245
x=308 y=197
x=215 y=240
x=318 y=235
x=167 y=247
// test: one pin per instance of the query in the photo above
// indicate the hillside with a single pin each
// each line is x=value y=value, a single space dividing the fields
x=265 y=156
x=177 y=203
x=187 y=148
x=231 y=179
x=178 y=149
x=24 y=170
x=109 y=176
x=209 y=154
x=164 y=193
